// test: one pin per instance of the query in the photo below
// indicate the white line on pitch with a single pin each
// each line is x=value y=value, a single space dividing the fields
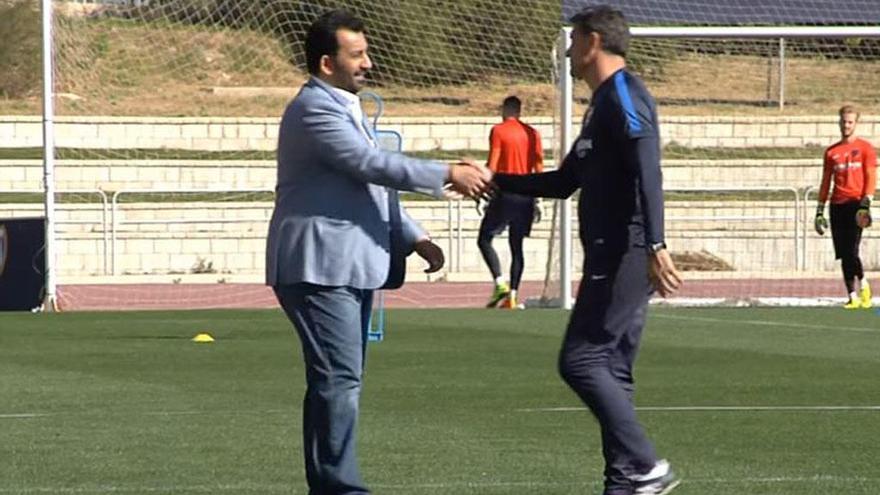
x=23 y=415
x=144 y=413
x=765 y=323
x=696 y=481
x=259 y=488
x=280 y=487
x=782 y=479
x=716 y=408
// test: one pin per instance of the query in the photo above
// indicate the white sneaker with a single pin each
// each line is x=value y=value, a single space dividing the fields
x=660 y=480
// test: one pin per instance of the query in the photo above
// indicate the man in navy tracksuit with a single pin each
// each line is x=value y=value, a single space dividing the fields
x=616 y=164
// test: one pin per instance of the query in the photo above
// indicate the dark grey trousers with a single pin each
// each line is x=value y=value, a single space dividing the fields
x=332 y=324
x=598 y=352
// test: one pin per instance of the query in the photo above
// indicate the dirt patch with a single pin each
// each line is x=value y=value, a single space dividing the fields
x=701 y=261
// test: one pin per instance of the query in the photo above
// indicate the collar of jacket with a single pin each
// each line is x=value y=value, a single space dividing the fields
x=316 y=82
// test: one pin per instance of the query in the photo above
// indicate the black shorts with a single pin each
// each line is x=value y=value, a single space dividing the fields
x=845 y=233
x=509 y=210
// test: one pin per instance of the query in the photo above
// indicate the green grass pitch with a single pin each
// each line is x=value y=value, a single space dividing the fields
x=455 y=402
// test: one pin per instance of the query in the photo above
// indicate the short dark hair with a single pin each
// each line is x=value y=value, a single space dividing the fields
x=609 y=23
x=321 y=36
x=511 y=104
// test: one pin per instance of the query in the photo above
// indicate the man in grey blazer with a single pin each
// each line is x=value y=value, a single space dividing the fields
x=338 y=233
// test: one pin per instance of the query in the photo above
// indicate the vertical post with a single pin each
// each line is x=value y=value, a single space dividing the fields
x=50 y=299
x=565 y=142
x=797 y=230
x=770 y=66
x=450 y=235
x=459 y=235
x=781 y=73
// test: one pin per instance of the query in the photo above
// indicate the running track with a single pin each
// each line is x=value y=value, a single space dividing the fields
x=412 y=295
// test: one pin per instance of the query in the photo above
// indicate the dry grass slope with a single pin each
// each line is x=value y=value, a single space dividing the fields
x=118 y=67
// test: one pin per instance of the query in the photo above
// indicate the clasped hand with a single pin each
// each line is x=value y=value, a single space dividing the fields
x=468 y=179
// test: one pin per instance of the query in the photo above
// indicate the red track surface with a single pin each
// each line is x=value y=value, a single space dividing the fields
x=412 y=295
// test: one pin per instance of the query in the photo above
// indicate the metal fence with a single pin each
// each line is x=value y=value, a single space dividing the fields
x=109 y=219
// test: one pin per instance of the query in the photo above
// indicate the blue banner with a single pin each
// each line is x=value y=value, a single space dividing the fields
x=751 y=12
x=22 y=263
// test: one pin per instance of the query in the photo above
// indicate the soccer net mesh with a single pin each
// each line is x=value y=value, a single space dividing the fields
x=744 y=123
x=171 y=106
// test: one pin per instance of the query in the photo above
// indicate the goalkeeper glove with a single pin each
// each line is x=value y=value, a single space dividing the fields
x=539 y=211
x=863 y=214
x=820 y=224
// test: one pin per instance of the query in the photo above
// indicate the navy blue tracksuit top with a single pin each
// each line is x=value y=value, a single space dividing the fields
x=615 y=161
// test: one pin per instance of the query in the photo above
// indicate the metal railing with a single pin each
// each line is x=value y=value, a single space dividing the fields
x=455 y=217
x=796 y=230
x=806 y=221
x=116 y=221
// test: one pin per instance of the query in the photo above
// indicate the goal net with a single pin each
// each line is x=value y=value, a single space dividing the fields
x=166 y=116
x=748 y=98
x=171 y=107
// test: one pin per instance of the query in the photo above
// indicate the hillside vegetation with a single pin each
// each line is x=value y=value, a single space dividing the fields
x=172 y=65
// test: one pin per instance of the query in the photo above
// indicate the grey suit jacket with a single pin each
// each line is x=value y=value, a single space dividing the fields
x=337 y=220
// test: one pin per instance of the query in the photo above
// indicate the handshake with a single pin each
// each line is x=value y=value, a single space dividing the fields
x=467 y=179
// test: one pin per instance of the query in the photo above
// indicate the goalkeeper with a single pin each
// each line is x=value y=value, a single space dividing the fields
x=514 y=148
x=852 y=164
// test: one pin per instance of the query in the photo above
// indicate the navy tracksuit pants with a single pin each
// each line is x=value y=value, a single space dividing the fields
x=597 y=356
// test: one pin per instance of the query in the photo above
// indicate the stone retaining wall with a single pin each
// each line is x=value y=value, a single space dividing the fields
x=116 y=175
x=419 y=133
x=228 y=239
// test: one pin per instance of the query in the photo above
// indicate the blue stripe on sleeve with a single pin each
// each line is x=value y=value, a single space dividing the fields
x=629 y=109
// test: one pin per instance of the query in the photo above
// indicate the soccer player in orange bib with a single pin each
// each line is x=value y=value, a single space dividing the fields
x=852 y=164
x=514 y=148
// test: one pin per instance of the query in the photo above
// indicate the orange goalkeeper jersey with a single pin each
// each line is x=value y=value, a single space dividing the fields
x=854 y=169
x=515 y=148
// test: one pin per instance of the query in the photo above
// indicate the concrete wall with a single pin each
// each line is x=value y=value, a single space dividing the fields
x=419 y=133
x=116 y=175
x=227 y=240
x=182 y=238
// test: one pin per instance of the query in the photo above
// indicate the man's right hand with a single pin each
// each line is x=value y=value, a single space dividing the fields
x=469 y=179
x=820 y=223
x=662 y=272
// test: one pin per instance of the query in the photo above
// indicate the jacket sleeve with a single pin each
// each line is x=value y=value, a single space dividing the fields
x=494 y=151
x=411 y=230
x=636 y=122
x=342 y=146
x=870 y=168
x=827 y=170
x=539 y=153
x=560 y=183
x=644 y=156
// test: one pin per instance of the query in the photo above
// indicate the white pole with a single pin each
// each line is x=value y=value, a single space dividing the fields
x=781 y=73
x=766 y=32
x=566 y=139
x=50 y=300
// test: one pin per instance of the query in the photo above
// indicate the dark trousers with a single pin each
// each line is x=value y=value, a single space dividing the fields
x=847 y=237
x=506 y=210
x=598 y=352
x=332 y=324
